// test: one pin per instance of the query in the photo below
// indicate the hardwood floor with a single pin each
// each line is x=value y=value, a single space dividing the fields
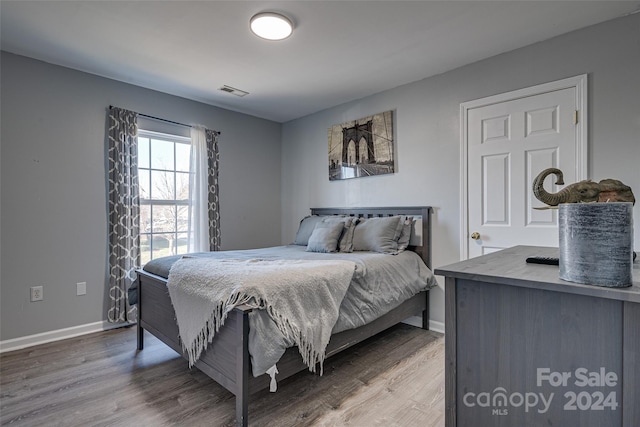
x=393 y=379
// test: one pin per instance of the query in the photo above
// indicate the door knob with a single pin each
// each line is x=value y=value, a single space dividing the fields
x=475 y=235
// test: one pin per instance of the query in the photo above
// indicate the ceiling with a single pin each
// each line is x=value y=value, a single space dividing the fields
x=339 y=51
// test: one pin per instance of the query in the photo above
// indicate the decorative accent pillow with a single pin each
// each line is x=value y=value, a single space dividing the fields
x=405 y=234
x=346 y=239
x=378 y=234
x=325 y=236
x=307 y=224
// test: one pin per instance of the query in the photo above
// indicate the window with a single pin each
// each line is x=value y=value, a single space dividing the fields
x=163 y=171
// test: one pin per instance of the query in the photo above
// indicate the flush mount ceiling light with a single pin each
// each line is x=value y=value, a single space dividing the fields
x=271 y=26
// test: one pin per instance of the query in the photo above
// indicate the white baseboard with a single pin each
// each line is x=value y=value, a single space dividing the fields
x=433 y=324
x=60 y=334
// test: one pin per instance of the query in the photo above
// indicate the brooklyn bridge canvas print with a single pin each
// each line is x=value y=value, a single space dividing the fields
x=362 y=147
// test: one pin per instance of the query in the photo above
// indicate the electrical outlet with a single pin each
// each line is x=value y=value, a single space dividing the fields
x=81 y=288
x=36 y=293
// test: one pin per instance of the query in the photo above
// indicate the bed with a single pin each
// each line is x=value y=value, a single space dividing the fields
x=227 y=359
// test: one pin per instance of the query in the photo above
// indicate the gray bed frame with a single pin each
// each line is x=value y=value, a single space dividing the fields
x=227 y=359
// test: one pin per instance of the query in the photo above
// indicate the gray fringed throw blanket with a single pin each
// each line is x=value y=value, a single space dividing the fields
x=302 y=297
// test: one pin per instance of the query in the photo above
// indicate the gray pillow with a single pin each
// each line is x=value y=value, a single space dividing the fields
x=378 y=234
x=405 y=234
x=346 y=239
x=305 y=229
x=325 y=236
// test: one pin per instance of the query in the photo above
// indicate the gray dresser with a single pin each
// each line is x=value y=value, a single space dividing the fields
x=524 y=348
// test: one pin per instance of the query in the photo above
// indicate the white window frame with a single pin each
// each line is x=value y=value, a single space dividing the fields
x=176 y=139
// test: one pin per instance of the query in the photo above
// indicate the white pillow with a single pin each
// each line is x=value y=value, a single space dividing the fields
x=307 y=224
x=346 y=239
x=325 y=237
x=405 y=234
x=378 y=234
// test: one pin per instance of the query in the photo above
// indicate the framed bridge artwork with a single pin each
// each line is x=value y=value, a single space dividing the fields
x=362 y=147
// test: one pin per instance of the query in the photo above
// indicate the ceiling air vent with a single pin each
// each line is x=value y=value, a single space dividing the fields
x=233 y=91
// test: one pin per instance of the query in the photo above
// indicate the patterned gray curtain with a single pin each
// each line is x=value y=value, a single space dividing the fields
x=124 y=212
x=213 y=157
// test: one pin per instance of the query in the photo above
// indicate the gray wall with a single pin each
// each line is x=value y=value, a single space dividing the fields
x=53 y=199
x=428 y=131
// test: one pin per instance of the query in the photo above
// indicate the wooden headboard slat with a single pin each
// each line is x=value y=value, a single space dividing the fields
x=423 y=211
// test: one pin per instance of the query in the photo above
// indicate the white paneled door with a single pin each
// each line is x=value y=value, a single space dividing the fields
x=508 y=140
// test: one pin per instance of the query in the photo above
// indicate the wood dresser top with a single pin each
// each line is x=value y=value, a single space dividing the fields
x=508 y=267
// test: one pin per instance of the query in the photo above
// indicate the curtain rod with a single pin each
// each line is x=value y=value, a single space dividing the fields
x=164 y=120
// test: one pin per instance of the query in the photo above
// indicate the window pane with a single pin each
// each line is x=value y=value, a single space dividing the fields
x=145 y=219
x=182 y=157
x=162 y=154
x=145 y=248
x=164 y=219
x=182 y=244
x=144 y=183
x=182 y=186
x=163 y=187
x=143 y=152
x=161 y=245
x=183 y=218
